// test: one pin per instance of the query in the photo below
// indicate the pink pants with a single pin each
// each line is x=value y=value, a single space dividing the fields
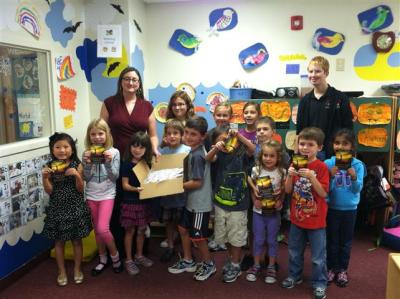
x=101 y=214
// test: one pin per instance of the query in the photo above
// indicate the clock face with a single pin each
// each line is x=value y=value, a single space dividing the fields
x=384 y=41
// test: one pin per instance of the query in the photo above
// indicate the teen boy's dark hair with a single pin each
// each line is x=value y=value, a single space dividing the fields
x=197 y=123
x=312 y=133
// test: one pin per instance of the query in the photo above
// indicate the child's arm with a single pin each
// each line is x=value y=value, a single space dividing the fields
x=320 y=189
x=357 y=177
x=256 y=201
x=212 y=154
x=78 y=174
x=192 y=184
x=87 y=166
x=250 y=147
x=127 y=187
x=289 y=180
x=112 y=164
x=47 y=184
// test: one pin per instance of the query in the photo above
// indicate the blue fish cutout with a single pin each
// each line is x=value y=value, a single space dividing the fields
x=253 y=56
x=375 y=19
x=328 y=41
x=222 y=19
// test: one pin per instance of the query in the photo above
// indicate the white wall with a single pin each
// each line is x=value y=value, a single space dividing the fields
x=267 y=22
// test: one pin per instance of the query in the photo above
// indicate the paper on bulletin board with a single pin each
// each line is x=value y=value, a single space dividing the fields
x=67 y=98
x=30 y=122
x=109 y=41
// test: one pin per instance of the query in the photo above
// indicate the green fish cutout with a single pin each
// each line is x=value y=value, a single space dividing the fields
x=189 y=42
x=381 y=15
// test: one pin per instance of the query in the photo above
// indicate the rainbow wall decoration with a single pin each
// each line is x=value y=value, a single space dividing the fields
x=64 y=67
x=27 y=17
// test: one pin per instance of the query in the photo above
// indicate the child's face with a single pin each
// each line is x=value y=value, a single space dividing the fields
x=179 y=108
x=342 y=144
x=316 y=75
x=222 y=115
x=269 y=158
x=309 y=148
x=174 y=137
x=62 y=150
x=97 y=136
x=264 y=132
x=250 y=115
x=137 y=151
x=192 y=138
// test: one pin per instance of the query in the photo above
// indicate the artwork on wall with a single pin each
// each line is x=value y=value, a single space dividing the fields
x=137 y=26
x=375 y=19
x=160 y=112
x=114 y=66
x=87 y=55
x=5 y=65
x=383 y=42
x=374 y=113
x=253 y=56
x=328 y=41
x=67 y=98
x=279 y=111
x=184 y=42
x=109 y=41
x=290 y=57
x=373 y=137
x=214 y=99
x=72 y=28
x=68 y=121
x=222 y=19
x=27 y=18
x=373 y=66
x=57 y=24
x=189 y=89
x=64 y=67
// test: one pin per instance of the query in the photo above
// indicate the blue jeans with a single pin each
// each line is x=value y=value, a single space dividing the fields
x=339 y=233
x=298 y=238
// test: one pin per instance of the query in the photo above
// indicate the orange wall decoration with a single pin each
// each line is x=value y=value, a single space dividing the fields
x=67 y=98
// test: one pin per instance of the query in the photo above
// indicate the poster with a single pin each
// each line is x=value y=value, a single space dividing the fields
x=30 y=121
x=109 y=41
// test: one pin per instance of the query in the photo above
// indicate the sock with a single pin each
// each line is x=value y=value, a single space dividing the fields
x=103 y=260
x=116 y=261
x=235 y=264
x=188 y=261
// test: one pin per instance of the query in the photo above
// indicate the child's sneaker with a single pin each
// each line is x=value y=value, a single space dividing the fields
x=289 y=283
x=164 y=244
x=253 y=272
x=319 y=293
x=182 y=266
x=331 y=276
x=231 y=273
x=144 y=261
x=342 y=279
x=205 y=271
x=271 y=275
x=131 y=267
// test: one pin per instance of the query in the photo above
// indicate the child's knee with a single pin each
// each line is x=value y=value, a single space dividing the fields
x=141 y=230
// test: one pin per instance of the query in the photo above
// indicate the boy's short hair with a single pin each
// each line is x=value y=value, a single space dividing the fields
x=174 y=124
x=223 y=104
x=312 y=133
x=321 y=62
x=266 y=120
x=197 y=123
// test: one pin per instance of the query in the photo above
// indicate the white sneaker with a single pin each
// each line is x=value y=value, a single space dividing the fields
x=164 y=244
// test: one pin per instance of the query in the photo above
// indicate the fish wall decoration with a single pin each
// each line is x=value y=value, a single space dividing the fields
x=328 y=41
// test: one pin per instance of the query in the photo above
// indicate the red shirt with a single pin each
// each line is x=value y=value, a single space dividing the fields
x=123 y=124
x=308 y=210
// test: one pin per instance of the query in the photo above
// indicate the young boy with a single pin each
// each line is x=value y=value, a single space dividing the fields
x=172 y=205
x=197 y=185
x=308 y=212
x=231 y=197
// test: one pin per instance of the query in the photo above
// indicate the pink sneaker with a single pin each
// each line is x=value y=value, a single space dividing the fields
x=331 y=276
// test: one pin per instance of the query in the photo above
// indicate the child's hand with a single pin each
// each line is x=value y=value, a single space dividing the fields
x=306 y=173
x=292 y=171
x=334 y=170
x=256 y=192
x=233 y=132
x=220 y=145
x=86 y=157
x=351 y=172
x=258 y=204
x=108 y=156
x=139 y=189
x=71 y=172
x=46 y=172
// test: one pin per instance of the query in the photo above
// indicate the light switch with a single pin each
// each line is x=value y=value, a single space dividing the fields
x=340 y=64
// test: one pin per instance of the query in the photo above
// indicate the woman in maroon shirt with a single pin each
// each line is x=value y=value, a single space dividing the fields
x=127 y=112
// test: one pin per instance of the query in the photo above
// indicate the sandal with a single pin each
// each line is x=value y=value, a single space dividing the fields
x=98 y=269
x=62 y=280
x=78 y=278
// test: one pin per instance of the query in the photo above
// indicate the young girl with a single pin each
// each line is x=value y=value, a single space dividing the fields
x=344 y=196
x=172 y=205
x=100 y=170
x=251 y=112
x=67 y=216
x=180 y=106
x=135 y=214
x=267 y=180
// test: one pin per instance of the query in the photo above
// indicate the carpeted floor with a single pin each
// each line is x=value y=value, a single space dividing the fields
x=367 y=280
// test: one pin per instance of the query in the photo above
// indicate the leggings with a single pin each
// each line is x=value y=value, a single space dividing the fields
x=101 y=214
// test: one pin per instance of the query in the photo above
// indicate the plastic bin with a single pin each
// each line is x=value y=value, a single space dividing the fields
x=240 y=93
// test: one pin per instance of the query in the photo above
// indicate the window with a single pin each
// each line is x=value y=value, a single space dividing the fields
x=24 y=87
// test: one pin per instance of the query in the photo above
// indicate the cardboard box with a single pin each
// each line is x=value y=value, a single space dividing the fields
x=167 y=187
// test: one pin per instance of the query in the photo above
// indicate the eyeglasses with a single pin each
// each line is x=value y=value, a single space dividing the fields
x=134 y=80
x=179 y=105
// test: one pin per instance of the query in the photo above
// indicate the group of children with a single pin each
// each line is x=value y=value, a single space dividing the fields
x=225 y=171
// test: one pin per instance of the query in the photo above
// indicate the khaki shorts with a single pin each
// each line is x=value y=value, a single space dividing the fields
x=230 y=227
